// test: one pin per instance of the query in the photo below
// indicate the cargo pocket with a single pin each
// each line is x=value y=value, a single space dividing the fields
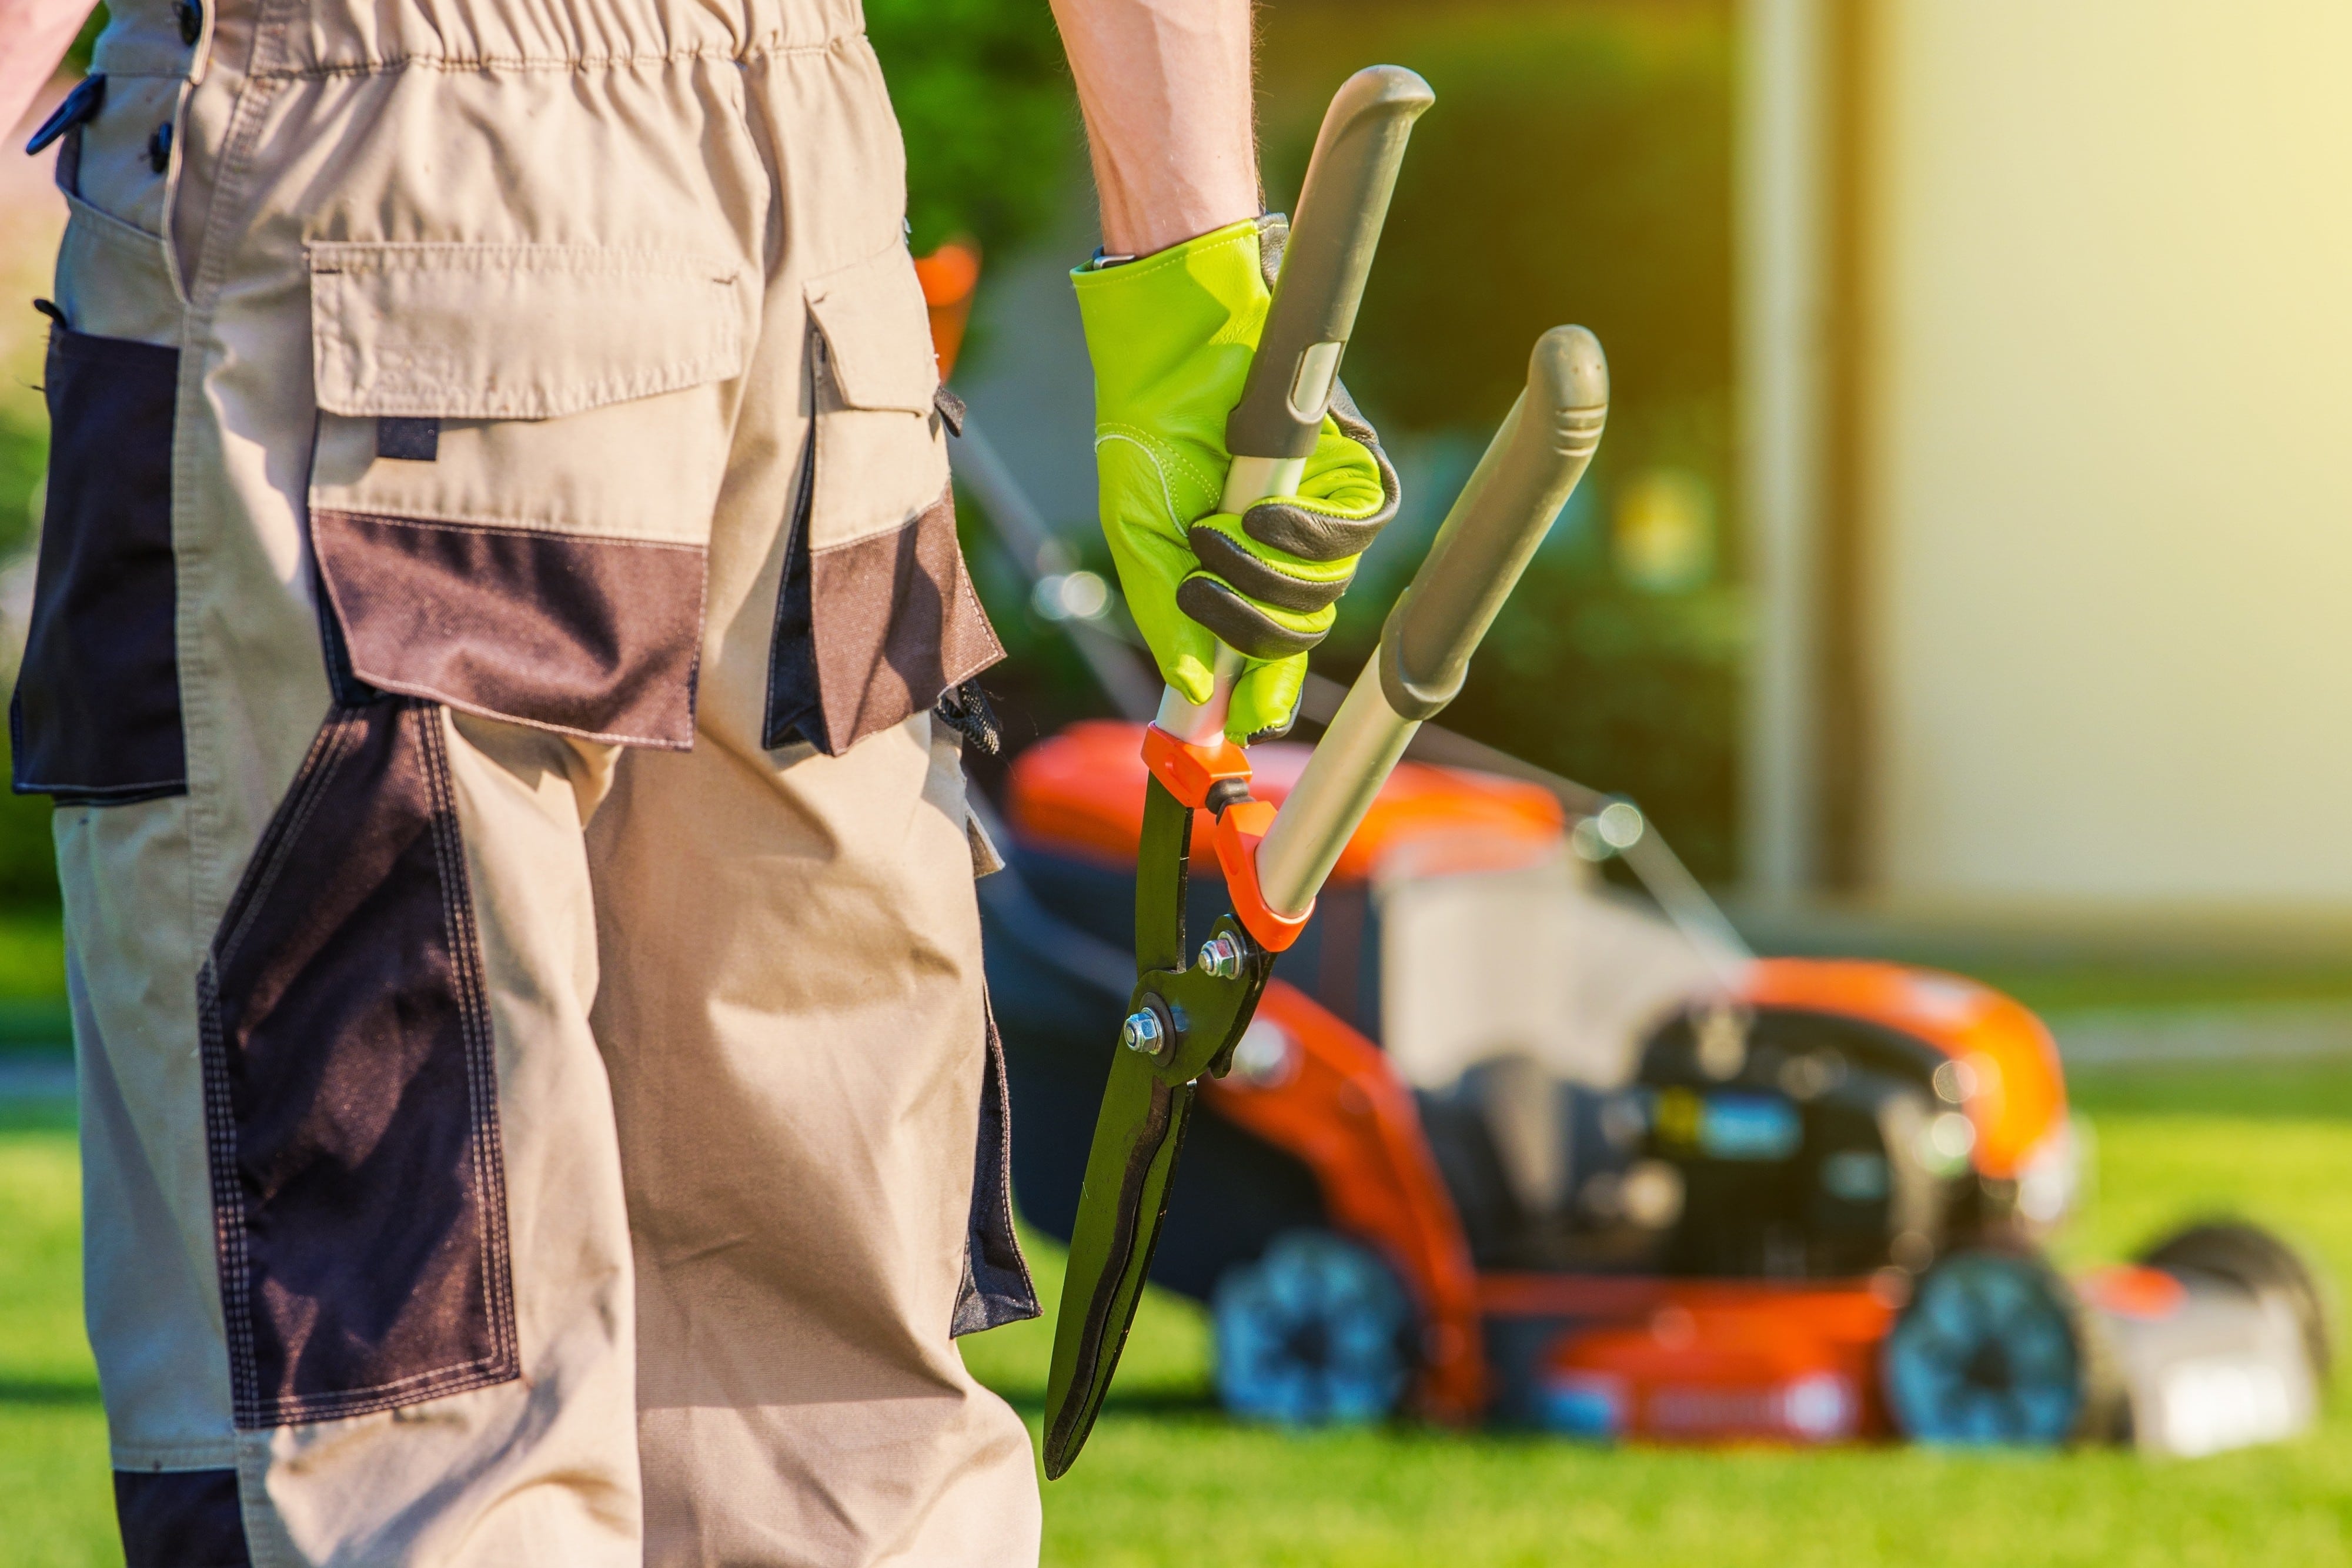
x=520 y=448
x=877 y=616
x=351 y=1094
x=96 y=715
x=996 y=1288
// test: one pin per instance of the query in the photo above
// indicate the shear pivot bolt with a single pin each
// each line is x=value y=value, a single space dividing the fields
x=1141 y=1032
x=1220 y=957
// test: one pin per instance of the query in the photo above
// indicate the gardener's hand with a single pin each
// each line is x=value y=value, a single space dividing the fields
x=1171 y=336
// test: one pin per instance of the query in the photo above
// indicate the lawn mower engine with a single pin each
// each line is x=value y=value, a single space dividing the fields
x=1498 y=1147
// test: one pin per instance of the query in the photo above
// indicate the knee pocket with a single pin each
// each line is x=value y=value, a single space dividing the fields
x=351 y=1094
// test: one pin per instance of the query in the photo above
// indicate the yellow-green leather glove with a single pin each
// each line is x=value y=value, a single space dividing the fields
x=1171 y=336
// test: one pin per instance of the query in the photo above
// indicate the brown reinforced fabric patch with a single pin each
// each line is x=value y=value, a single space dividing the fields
x=180 y=1519
x=96 y=717
x=596 y=637
x=996 y=1288
x=350 y=1098
x=895 y=623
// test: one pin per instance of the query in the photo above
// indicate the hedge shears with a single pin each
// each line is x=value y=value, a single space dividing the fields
x=1190 y=1007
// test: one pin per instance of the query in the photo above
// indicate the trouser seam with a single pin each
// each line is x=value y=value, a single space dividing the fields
x=330 y=752
x=474 y=1016
x=175 y=1459
x=220 y=1106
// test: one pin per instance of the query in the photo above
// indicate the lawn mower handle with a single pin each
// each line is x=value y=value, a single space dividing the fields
x=1325 y=261
x=1530 y=468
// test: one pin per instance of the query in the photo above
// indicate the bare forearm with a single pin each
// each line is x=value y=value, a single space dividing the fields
x=34 y=36
x=1165 y=86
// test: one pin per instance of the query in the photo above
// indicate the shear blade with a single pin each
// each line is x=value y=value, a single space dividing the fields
x=1120 y=1209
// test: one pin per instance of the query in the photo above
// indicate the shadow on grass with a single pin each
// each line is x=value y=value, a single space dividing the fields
x=47 y=1393
x=1145 y=1402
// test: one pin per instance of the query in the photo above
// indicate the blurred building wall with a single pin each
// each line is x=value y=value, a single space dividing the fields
x=2070 y=357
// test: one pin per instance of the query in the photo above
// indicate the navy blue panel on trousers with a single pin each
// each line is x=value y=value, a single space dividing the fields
x=96 y=717
x=180 y=1519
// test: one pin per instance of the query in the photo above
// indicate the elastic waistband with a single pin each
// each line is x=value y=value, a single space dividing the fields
x=314 y=38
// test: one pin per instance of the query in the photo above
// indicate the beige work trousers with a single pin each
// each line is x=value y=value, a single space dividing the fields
x=538 y=1101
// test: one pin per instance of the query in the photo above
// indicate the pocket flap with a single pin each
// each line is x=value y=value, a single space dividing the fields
x=879 y=332
x=515 y=331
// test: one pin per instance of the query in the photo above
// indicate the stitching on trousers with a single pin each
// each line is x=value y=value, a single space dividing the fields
x=250 y=1408
x=499 y=1365
x=971 y=598
x=423 y=693
x=462 y=64
x=481 y=1046
x=317 y=769
x=311 y=780
x=229 y=1202
x=107 y=792
x=230 y=191
x=430 y=693
x=502 y=529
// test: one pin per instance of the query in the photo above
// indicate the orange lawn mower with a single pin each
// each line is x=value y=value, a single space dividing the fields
x=1498 y=1145
x=1804 y=1206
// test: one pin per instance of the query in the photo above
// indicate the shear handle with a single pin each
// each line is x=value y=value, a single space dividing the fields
x=1325 y=262
x=1529 y=471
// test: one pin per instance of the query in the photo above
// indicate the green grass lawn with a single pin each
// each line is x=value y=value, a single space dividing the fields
x=57 y=1503
x=33 y=1013
x=1166 y=1481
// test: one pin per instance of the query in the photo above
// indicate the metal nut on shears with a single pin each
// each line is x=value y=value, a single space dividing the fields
x=1221 y=956
x=1143 y=1031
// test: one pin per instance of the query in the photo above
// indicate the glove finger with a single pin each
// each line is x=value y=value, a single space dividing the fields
x=1186 y=653
x=1241 y=623
x=1312 y=535
x=1266 y=700
x=1347 y=476
x=1348 y=496
x=1267 y=581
